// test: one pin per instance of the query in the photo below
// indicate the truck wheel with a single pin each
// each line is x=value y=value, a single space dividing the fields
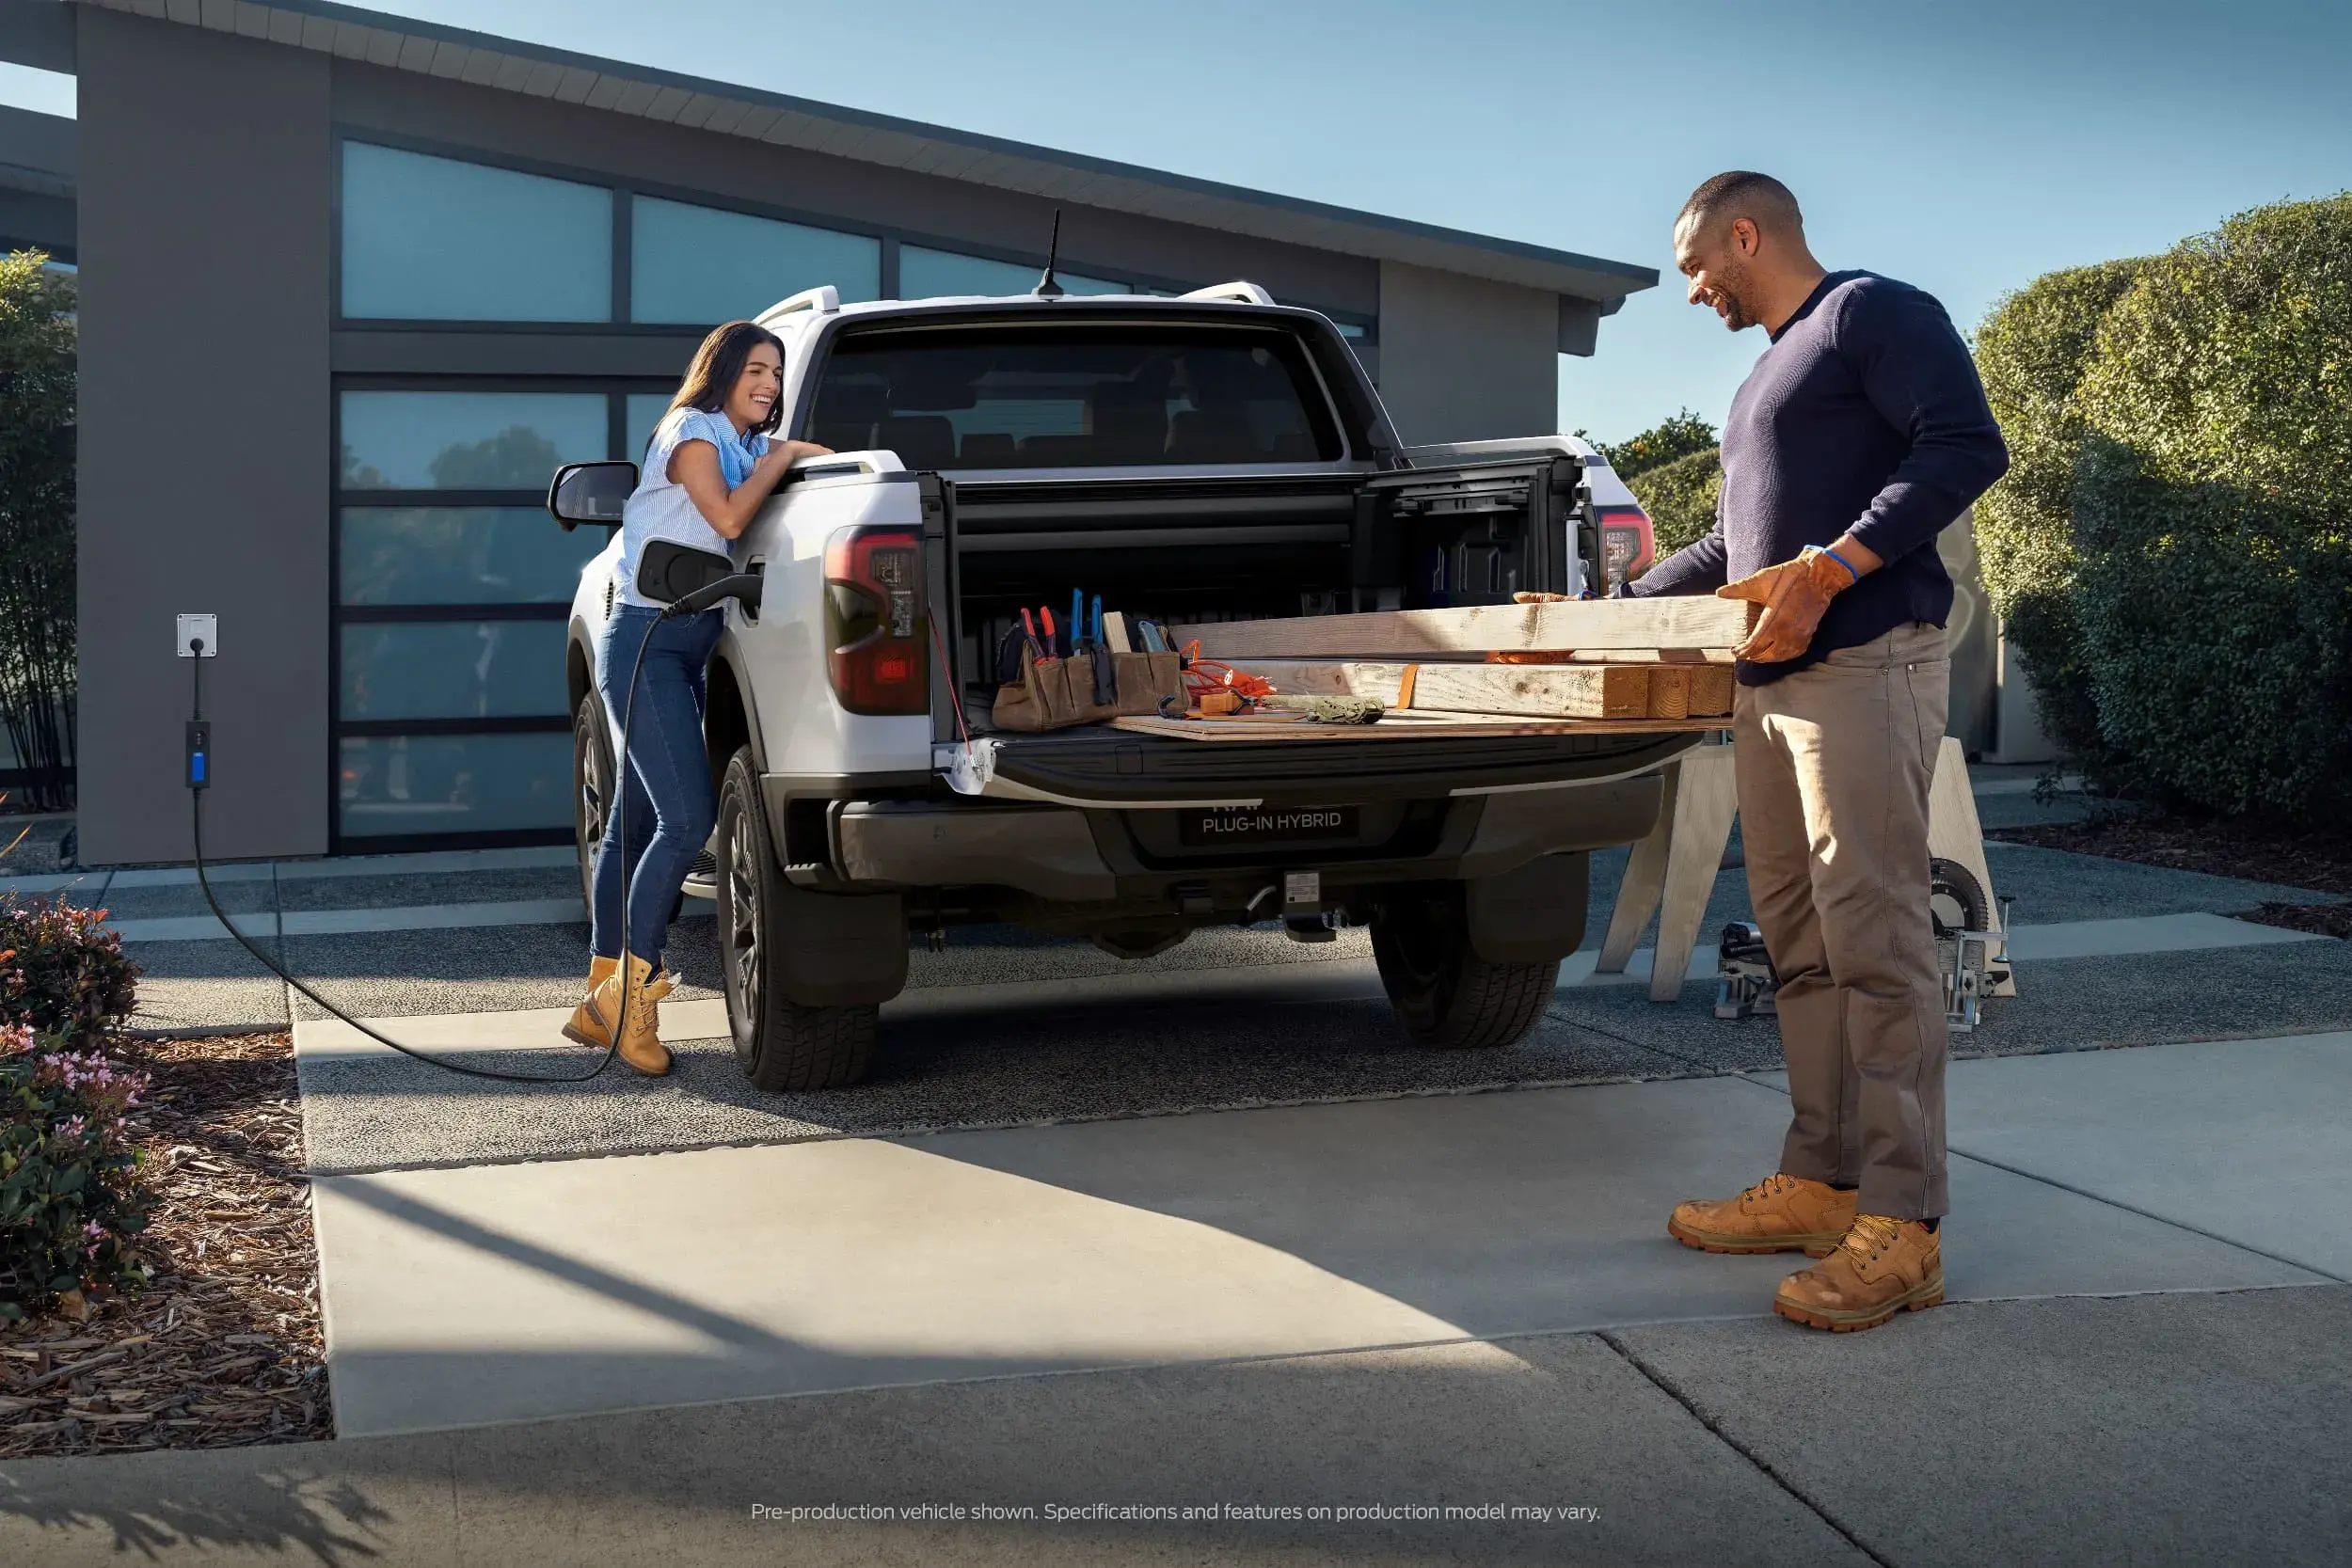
x=593 y=792
x=1447 y=996
x=779 y=1045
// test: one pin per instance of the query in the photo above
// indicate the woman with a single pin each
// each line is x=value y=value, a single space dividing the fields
x=707 y=471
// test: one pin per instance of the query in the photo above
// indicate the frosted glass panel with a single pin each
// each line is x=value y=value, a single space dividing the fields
x=700 y=266
x=928 y=273
x=464 y=783
x=467 y=440
x=453 y=669
x=436 y=239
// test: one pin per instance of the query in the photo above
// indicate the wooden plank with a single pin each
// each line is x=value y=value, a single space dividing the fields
x=1399 y=726
x=1538 y=690
x=1712 y=689
x=1694 y=621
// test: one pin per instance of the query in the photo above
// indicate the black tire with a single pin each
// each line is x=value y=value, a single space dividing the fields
x=1447 y=996
x=779 y=1045
x=593 y=777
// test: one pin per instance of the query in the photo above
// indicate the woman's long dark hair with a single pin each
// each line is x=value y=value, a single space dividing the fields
x=718 y=365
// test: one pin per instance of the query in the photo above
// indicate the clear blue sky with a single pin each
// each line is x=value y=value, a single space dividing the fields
x=1966 y=148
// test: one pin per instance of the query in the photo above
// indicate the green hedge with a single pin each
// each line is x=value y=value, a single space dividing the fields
x=2032 y=352
x=1680 y=497
x=1658 y=446
x=2212 y=517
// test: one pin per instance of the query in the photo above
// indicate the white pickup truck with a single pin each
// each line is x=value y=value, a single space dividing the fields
x=1214 y=456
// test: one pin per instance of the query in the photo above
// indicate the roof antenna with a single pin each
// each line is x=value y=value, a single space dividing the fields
x=1046 y=287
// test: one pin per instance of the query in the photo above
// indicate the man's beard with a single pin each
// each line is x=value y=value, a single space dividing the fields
x=1730 y=289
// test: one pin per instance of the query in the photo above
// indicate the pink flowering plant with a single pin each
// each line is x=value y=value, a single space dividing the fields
x=69 y=1195
x=62 y=973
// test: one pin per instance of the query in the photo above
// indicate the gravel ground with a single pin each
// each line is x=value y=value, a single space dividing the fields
x=1101 y=1061
x=33 y=846
x=2327 y=920
x=224 y=1346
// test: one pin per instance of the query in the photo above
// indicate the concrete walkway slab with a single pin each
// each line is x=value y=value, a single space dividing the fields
x=413 y=917
x=457 y=1297
x=1552 y=1424
x=2244 y=1139
x=2154 y=933
x=2160 y=1431
x=466 y=1296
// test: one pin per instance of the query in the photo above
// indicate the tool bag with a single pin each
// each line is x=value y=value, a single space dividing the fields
x=1083 y=688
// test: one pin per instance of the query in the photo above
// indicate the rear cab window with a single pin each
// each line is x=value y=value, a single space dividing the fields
x=1073 y=394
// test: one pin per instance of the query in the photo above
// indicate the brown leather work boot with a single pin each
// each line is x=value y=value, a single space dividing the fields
x=592 y=1028
x=1883 y=1267
x=641 y=1044
x=1780 y=1213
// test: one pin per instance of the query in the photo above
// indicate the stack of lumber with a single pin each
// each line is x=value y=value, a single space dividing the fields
x=1594 y=666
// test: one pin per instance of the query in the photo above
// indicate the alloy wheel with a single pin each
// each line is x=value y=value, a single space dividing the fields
x=743 y=921
x=595 y=792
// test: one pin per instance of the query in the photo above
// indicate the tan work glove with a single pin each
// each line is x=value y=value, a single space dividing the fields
x=1794 y=596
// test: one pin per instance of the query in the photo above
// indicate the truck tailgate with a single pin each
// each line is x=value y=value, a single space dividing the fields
x=1092 y=765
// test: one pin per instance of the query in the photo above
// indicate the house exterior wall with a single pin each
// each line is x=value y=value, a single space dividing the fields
x=204 y=419
x=1465 y=359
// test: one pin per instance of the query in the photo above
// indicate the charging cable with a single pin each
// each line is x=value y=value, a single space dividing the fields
x=200 y=777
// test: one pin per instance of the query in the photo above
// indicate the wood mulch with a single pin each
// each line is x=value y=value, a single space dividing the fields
x=224 y=1346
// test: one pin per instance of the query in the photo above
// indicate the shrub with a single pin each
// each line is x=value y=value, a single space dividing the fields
x=2032 y=350
x=2214 y=516
x=70 y=1197
x=2218 y=622
x=1680 y=497
x=62 y=973
x=1660 y=445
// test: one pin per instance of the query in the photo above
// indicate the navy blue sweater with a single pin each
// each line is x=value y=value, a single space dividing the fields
x=1866 y=414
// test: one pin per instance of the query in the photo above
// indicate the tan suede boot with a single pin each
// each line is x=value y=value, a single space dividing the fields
x=1883 y=1267
x=1780 y=1213
x=588 y=1026
x=591 y=1022
x=640 y=1040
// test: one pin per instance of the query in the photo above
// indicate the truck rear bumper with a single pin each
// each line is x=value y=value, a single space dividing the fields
x=1068 y=855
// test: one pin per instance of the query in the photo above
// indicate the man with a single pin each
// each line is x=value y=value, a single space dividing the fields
x=1860 y=434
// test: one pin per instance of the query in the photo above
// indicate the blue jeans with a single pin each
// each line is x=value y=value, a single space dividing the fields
x=664 y=795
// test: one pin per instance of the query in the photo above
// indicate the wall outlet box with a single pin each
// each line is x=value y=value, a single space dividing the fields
x=195 y=626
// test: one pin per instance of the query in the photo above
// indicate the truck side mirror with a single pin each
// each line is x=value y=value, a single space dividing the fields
x=590 y=493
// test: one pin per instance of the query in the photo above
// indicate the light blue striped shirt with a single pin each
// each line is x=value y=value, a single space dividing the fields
x=662 y=509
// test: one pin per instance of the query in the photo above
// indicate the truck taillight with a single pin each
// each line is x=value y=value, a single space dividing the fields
x=876 y=621
x=1628 y=545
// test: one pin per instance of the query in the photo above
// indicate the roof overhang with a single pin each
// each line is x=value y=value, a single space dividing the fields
x=721 y=109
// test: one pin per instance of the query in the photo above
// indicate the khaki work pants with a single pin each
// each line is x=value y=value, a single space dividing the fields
x=1833 y=764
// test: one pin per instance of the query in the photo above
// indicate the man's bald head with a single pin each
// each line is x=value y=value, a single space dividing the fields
x=1739 y=241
